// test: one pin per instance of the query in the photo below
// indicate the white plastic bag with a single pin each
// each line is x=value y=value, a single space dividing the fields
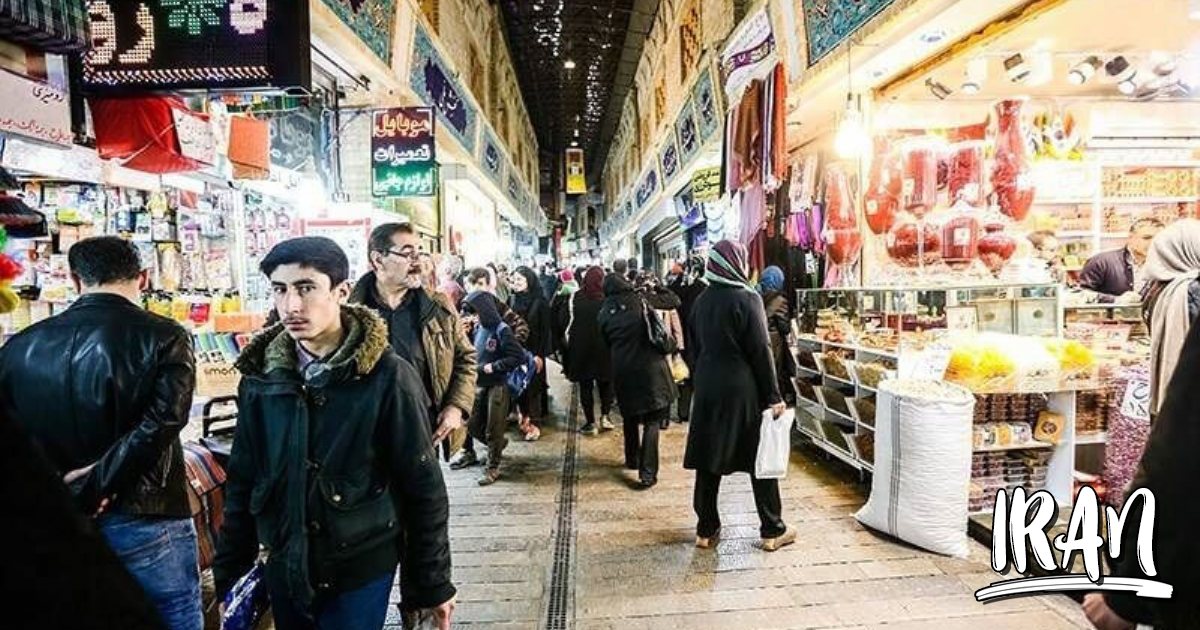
x=774 y=445
x=922 y=464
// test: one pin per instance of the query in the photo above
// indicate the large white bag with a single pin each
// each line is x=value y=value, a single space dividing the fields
x=774 y=445
x=922 y=464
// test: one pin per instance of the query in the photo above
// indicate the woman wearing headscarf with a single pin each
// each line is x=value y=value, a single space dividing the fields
x=735 y=382
x=1172 y=299
x=585 y=357
x=1168 y=469
x=778 y=325
x=527 y=300
x=641 y=375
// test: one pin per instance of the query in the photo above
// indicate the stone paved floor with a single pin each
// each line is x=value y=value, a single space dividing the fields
x=635 y=565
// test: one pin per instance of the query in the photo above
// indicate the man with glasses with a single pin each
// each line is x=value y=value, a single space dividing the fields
x=423 y=327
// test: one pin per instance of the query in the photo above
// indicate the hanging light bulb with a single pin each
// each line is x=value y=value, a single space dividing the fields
x=851 y=139
x=1118 y=68
x=1083 y=71
x=975 y=75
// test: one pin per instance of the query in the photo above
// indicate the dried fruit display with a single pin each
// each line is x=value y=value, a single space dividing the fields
x=911 y=244
x=966 y=174
x=882 y=198
x=920 y=177
x=960 y=240
x=996 y=247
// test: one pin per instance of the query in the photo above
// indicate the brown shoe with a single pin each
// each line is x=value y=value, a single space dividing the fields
x=786 y=538
x=709 y=542
x=490 y=476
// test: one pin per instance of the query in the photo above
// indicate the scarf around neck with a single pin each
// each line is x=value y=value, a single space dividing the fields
x=728 y=265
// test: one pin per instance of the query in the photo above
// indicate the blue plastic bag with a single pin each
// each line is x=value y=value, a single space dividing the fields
x=247 y=601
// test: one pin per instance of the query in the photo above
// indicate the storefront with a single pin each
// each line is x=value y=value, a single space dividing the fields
x=952 y=202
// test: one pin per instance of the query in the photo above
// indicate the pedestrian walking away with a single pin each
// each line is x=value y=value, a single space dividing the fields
x=735 y=382
x=586 y=359
x=104 y=389
x=641 y=375
x=333 y=469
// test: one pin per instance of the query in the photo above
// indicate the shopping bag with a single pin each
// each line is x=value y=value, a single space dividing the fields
x=679 y=368
x=774 y=445
x=246 y=602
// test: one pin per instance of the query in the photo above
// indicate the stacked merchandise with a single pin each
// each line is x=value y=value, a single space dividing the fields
x=1005 y=470
x=1128 y=432
x=1007 y=421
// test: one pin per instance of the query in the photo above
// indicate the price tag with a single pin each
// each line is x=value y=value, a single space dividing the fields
x=928 y=363
x=1136 y=401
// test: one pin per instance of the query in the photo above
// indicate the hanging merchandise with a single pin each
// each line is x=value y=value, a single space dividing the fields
x=250 y=147
x=1011 y=178
x=154 y=134
x=10 y=270
x=996 y=247
x=919 y=190
x=913 y=244
x=960 y=240
x=841 y=231
x=20 y=220
x=965 y=179
x=803 y=187
x=882 y=198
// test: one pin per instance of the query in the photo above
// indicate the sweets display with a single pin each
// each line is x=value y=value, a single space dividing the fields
x=991 y=472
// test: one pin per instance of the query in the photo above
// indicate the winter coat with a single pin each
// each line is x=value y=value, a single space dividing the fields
x=449 y=356
x=585 y=355
x=667 y=304
x=495 y=343
x=688 y=293
x=336 y=475
x=733 y=377
x=534 y=309
x=1168 y=468
x=109 y=385
x=641 y=375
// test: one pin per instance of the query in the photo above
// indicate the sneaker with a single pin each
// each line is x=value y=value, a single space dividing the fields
x=466 y=459
x=490 y=476
x=709 y=542
x=606 y=424
x=532 y=434
x=786 y=538
x=589 y=429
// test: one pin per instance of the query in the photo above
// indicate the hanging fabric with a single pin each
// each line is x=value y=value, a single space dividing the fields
x=153 y=134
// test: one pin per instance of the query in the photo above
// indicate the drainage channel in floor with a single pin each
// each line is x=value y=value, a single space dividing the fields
x=558 y=609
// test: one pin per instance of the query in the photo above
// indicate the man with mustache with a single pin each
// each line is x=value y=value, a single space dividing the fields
x=423 y=327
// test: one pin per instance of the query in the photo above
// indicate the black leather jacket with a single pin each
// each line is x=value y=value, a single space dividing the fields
x=109 y=384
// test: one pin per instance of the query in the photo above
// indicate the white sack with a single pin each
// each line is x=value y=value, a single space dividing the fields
x=774 y=445
x=922 y=464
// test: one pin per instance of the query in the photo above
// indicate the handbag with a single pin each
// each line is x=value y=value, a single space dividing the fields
x=679 y=368
x=660 y=338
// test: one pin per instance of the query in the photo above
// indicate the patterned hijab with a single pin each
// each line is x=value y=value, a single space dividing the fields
x=728 y=264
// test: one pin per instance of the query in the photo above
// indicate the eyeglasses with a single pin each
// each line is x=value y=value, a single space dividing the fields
x=410 y=254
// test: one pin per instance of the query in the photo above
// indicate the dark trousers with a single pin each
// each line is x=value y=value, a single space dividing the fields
x=489 y=420
x=766 y=499
x=588 y=402
x=533 y=401
x=641 y=449
x=685 y=401
x=364 y=608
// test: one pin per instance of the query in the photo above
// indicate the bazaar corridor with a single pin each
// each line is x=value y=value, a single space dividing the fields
x=630 y=563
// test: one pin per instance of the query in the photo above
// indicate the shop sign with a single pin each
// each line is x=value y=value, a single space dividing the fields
x=196 y=139
x=668 y=159
x=294 y=138
x=686 y=133
x=434 y=81
x=490 y=156
x=373 y=21
x=163 y=45
x=35 y=110
x=576 y=179
x=707 y=110
x=706 y=185
x=80 y=164
x=403 y=157
x=647 y=187
x=750 y=49
x=827 y=23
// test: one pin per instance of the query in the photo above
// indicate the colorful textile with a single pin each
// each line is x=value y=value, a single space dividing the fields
x=728 y=264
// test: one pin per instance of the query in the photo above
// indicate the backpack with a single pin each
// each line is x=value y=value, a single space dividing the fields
x=518 y=379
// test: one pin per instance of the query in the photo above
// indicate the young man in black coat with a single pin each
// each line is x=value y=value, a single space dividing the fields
x=333 y=467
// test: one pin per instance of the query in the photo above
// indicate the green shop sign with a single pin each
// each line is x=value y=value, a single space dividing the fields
x=403 y=154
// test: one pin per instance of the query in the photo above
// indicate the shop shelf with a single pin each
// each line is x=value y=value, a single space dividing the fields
x=807 y=371
x=867 y=427
x=840 y=382
x=868 y=389
x=1149 y=200
x=1091 y=438
x=1014 y=447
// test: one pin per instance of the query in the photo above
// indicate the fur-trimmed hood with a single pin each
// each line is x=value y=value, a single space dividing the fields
x=365 y=343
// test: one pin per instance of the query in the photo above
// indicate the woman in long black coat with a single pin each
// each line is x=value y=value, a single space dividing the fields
x=586 y=359
x=528 y=302
x=734 y=379
x=645 y=389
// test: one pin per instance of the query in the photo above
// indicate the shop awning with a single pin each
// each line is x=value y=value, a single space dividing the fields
x=152 y=134
x=57 y=26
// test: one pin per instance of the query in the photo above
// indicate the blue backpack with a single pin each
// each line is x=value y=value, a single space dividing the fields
x=518 y=380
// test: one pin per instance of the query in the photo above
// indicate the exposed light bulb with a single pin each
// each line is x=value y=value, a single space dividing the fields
x=851 y=139
x=569 y=64
x=1083 y=71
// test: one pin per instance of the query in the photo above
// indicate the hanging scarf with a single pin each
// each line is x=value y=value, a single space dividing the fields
x=1172 y=265
x=728 y=264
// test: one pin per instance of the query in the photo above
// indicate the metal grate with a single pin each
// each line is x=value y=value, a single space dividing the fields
x=558 y=606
